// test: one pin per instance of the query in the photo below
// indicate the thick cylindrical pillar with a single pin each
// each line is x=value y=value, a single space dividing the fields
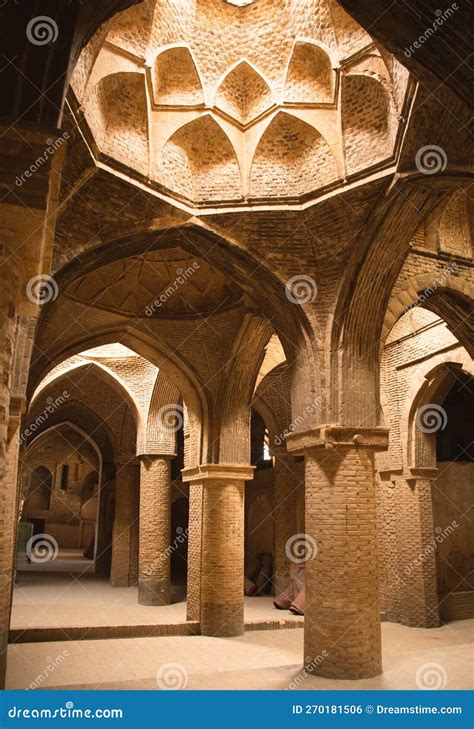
x=154 y=582
x=342 y=634
x=221 y=568
x=124 y=570
x=285 y=522
x=342 y=616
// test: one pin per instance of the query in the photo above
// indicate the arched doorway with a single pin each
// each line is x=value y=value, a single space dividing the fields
x=452 y=500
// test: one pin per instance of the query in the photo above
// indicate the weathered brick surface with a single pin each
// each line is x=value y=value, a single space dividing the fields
x=222 y=568
x=342 y=581
x=155 y=503
x=167 y=97
x=245 y=61
x=124 y=570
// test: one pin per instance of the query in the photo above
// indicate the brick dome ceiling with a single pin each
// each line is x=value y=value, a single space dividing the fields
x=167 y=283
x=214 y=104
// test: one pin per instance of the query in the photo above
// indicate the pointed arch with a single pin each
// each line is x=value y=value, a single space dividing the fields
x=291 y=154
x=199 y=162
x=124 y=420
x=244 y=93
x=429 y=391
x=116 y=111
x=175 y=78
x=366 y=121
x=310 y=78
x=456 y=224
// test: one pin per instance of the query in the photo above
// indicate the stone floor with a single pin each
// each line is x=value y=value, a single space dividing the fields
x=70 y=600
x=413 y=658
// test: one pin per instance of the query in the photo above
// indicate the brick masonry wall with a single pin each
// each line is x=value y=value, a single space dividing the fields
x=124 y=572
x=342 y=615
x=222 y=566
x=154 y=586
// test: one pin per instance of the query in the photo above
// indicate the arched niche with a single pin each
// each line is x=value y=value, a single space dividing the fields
x=243 y=93
x=366 y=121
x=116 y=113
x=291 y=155
x=456 y=225
x=199 y=163
x=175 y=78
x=40 y=485
x=310 y=77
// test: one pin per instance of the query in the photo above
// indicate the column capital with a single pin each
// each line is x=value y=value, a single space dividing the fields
x=333 y=435
x=142 y=456
x=208 y=472
x=423 y=472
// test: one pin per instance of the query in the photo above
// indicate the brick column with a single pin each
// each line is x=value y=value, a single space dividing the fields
x=416 y=551
x=28 y=199
x=154 y=586
x=124 y=570
x=11 y=282
x=219 y=558
x=342 y=616
x=285 y=491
